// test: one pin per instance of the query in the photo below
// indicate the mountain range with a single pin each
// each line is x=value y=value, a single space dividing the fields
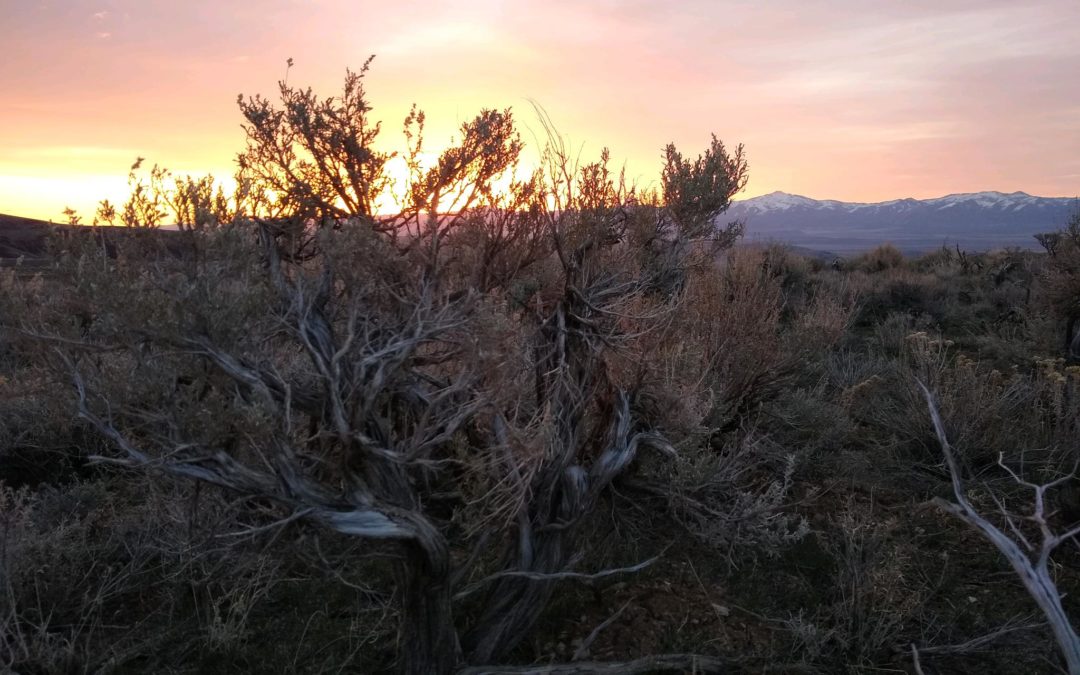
x=979 y=220
x=974 y=221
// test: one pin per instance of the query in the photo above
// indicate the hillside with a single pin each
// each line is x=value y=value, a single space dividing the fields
x=981 y=220
x=22 y=236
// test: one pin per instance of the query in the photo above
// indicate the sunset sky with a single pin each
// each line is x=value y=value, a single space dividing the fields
x=840 y=99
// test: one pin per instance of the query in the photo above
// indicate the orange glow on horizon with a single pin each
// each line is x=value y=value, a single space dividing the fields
x=851 y=101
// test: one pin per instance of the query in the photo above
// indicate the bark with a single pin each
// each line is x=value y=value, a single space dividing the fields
x=514 y=604
x=1072 y=339
x=427 y=640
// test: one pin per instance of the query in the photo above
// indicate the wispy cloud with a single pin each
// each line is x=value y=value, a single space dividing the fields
x=833 y=98
x=80 y=151
x=16 y=155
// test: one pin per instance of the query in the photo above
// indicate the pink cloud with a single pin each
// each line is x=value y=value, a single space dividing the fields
x=838 y=98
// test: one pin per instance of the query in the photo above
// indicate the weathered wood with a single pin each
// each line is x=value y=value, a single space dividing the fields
x=1034 y=574
x=661 y=663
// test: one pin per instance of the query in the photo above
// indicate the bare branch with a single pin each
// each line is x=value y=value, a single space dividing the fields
x=1035 y=576
x=554 y=576
x=981 y=641
x=583 y=650
x=686 y=663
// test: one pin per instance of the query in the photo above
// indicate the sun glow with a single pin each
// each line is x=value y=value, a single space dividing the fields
x=395 y=198
x=45 y=197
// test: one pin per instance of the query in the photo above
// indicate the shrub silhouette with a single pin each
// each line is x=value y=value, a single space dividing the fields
x=459 y=380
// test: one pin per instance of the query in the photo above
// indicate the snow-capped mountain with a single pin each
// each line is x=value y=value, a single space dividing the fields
x=972 y=220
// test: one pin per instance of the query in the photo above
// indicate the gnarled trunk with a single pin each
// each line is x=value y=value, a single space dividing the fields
x=1072 y=339
x=427 y=640
x=516 y=603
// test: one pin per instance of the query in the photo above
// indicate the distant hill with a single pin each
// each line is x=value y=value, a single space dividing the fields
x=26 y=239
x=22 y=236
x=975 y=221
x=980 y=220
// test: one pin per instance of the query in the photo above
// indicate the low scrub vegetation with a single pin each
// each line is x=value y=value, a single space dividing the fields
x=523 y=425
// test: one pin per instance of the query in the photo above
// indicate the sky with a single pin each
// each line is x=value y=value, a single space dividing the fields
x=837 y=99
